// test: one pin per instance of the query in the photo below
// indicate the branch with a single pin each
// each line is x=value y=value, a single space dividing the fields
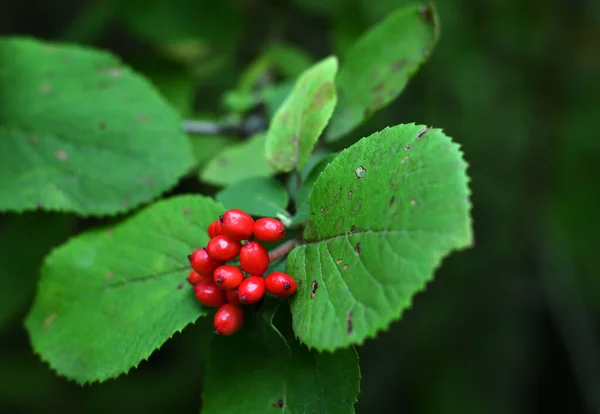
x=282 y=250
x=246 y=128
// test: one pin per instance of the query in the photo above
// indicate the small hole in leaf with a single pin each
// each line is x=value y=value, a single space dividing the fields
x=423 y=132
x=278 y=403
x=404 y=159
x=313 y=288
x=338 y=261
x=349 y=322
x=352 y=229
x=345 y=267
x=357 y=248
x=349 y=194
x=413 y=202
x=360 y=172
x=322 y=209
x=408 y=147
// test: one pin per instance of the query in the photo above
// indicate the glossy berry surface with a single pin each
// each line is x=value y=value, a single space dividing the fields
x=280 y=284
x=215 y=228
x=268 y=229
x=232 y=297
x=222 y=248
x=194 y=278
x=237 y=225
x=209 y=294
x=254 y=258
x=228 y=277
x=228 y=319
x=202 y=263
x=251 y=290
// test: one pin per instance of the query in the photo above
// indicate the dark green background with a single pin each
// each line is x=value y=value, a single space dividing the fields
x=510 y=326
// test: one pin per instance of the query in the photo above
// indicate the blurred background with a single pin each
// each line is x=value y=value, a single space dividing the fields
x=510 y=326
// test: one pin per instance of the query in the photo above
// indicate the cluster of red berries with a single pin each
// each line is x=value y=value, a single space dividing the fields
x=218 y=284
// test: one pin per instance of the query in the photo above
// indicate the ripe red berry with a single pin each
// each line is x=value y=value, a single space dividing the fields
x=237 y=225
x=232 y=297
x=280 y=284
x=223 y=248
x=215 y=228
x=251 y=290
x=254 y=258
x=228 y=277
x=268 y=229
x=202 y=263
x=228 y=319
x=209 y=294
x=194 y=277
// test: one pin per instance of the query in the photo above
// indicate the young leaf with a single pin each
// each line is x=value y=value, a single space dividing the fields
x=379 y=65
x=21 y=256
x=302 y=117
x=108 y=298
x=80 y=132
x=259 y=196
x=383 y=215
x=264 y=382
x=238 y=162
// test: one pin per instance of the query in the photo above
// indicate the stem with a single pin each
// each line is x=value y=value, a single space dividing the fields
x=246 y=128
x=282 y=250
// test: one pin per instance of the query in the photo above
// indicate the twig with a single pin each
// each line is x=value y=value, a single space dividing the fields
x=282 y=250
x=246 y=128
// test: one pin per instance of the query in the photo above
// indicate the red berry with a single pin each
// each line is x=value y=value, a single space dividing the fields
x=232 y=297
x=194 y=278
x=254 y=258
x=251 y=290
x=223 y=248
x=228 y=277
x=203 y=263
x=228 y=319
x=268 y=229
x=215 y=228
x=209 y=294
x=280 y=284
x=237 y=225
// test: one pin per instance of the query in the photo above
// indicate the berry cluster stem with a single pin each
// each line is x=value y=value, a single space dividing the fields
x=282 y=250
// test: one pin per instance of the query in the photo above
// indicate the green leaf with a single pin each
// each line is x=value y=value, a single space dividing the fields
x=80 y=132
x=207 y=147
x=238 y=162
x=289 y=60
x=383 y=215
x=108 y=298
x=264 y=382
x=259 y=196
x=303 y=116
x=21 y=256
x=378 y=67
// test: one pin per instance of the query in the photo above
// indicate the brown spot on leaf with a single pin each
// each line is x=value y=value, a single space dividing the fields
x=110 y=232
x=338 y=261
x=322 y=96
x=278 y=403
x=392 y=200
x=62 y=155
x=352 y=229
x=404 y=159
x=104 y=85
x=345 y=267
x=186 y=211
x=125 y=202
x=378 y=103
x=408 y=147
x=360 y=172
x=142 y=118
x=45 y=88
x=313 y=288
x=180 y=286
x=49 y=319
x=34 y=139
x=357 y=248
x=423 y=132
x=102 y=126
x=110 y=275
x=378 y=87
x=115 y=72
x=397 y=65
x=427 y=13
x=349 y=322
